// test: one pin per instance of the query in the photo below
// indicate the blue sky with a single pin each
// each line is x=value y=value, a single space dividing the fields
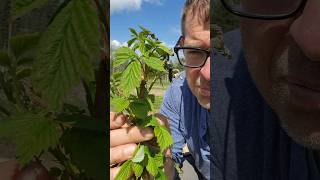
x=162 y=17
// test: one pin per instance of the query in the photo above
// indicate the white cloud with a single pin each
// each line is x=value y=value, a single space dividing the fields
x=116 y=44
x=121 y=5
x=130 y=5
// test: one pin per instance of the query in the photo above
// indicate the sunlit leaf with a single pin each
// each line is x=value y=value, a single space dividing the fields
x=125 y=171
x=131 y=77
x=123 y=55
x=137 y=169
x=155 y=63
x=164 y=138
x=139 y=156
x=119 y=103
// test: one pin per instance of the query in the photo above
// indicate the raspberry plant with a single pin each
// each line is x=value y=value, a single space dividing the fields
x=139 y=66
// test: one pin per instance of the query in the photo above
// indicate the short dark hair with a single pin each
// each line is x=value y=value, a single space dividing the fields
x=195 y=8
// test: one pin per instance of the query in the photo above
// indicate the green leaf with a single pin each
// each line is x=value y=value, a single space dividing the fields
x=133 y=31
x=140 y=108
x=67 y=51
x=151 y=98
x=130 y=42
x=154 y=63
x=25 y=46
x=131 y=77
x=137 y=169
x=139 y=156
x=4 y=59
x=164 y=138
x=125 y=171
x=22 y=7
x=159 y=159
x=152 y=167
x=119 y=104
x=123 y=55
x=152 y=122
x=165 y=49
x=161 y=175
x=32 y=134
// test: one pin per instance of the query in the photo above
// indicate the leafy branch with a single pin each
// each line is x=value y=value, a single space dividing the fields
x=143 y=60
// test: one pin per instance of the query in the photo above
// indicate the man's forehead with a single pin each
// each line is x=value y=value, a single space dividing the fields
x=199 y=38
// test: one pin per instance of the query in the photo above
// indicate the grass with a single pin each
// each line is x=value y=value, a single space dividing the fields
x=157 y=103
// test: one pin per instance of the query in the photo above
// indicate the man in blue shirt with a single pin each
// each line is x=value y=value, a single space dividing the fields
x=187 y=102
x=266 y=104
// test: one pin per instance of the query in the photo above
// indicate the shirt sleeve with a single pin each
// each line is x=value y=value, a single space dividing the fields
x=170 y=108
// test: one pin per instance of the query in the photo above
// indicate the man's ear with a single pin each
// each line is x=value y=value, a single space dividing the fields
x=181 y=43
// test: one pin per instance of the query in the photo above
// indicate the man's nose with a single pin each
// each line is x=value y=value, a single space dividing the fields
x=306 y=30
x=205 y=70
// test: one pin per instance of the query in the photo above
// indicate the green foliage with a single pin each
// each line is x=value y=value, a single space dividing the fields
x=66 y=49
x=120 y=104
x=32 y=134
x=143 y=62
x=125 y=171
x=130 y=78
x=164 y=138
x=37 y=71
x=124 y=54
x=139 y=155
x=137 y=169
x=22 y=7
x=152 y=166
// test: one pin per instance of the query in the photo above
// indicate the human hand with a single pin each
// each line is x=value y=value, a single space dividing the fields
x=123 y=139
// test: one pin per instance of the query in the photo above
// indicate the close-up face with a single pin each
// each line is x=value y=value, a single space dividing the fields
x=198 y=35
x=283 y=57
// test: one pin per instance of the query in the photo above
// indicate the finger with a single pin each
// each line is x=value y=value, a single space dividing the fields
x=114 y=172
x=117 y=120
x=162 y=119
x=121 y=153
x=128 y=135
